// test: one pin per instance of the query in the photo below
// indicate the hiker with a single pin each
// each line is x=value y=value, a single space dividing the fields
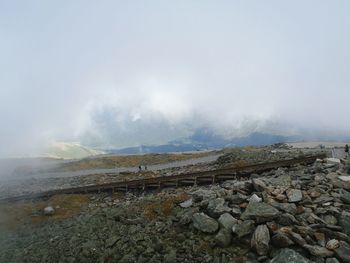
x=346 y=149
x=140 y=168
x=145 y=167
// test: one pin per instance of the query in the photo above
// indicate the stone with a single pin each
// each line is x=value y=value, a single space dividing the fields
x=205 y=223
x=187 y=203
x=49 y=211
x=237 y=198
x=255 y=199
x=282 y=180
x=333 y=244
x=260 y=212
x=217 y=206
x=260 y=240
x=286 y=219
x=332 y=260
x=281 y=240
x=258 y=185
x=318 y=251
x=344 y=222
x=287 y=255
x=294 y=195
x=345 y=178
x=343 y=252
x=202 y=194
x=286 y=207
x=333 y=160
x=243 y=229
x=223 y=237
x=345 y=197
x=227 y=221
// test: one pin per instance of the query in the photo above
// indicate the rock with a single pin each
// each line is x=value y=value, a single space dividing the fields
x=345 y=197
x=260 y=240
x=286 y=207
x=202 y=194
x=287 y=255
x=333 y=244
x=318 y=251
x=332 y=260
x=223 y=237
x=217 y=206
x=286 y=219
x=282 y=180
x=227 y=221
x=294 y=195
x=345 y=178
x=170 y=257
x=343 y=252
x=258 y=185
x=205 y=223
x=255 y=199
x=111 y=241
x=243 y=229
x=237 y=198
x=344 y=222
x=49 y=211
x=187 y=203
x=281 y=240
x=333 y=160
x=260 y=212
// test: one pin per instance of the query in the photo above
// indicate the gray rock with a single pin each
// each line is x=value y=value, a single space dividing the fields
x=343 y=252
x=205 y=223
x=332 y=260
x=202 y=194
x=258 y=185
x=344 y=222
x=217 y=206
x=333 y=244
x=49 y=211
x=294 y=195
x=227 y=221
x=243 y=229
x=237 y=198
x=318 y=251
x=260 y=240
x=286 y=219
x=260 y=212
x=282 y=180
x=223 y=237
x=286 y=207
x=187 y=203
x=345 y=197
x=255 y=199
x=281 y=240
x=287 y=255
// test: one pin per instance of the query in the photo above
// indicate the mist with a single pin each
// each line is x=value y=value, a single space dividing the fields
x=124 y=73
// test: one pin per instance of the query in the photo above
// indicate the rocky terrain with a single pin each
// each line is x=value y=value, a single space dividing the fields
x=297 y=214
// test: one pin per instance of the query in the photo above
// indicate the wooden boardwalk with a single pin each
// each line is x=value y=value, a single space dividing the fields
x=185 y=179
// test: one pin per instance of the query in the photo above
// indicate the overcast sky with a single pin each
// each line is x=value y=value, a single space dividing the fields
x=121 y=73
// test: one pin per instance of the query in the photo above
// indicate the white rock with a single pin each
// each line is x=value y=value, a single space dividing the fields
x=49 y=210
x=255 y=199
x=345 y=178
x=187 y=203
x=333 y=160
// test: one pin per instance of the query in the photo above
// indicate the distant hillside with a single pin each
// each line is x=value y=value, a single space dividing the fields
x=206 y=140
x=70 y=151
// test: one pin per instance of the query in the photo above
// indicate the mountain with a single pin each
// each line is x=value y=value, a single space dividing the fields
x=203 y=139
x=64 y=150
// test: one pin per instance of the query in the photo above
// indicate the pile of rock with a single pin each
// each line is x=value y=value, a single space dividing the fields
x=295 y=215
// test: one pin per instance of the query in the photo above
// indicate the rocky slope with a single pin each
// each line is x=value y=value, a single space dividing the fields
x=300 y=214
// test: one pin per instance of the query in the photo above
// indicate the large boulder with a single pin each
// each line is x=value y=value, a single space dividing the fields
x=217 y=206
x=223 y=237
x=260 y=240
x=260 y=212
x=204 y=223
x=287 y=255
x=345 y=196
x=343 y=252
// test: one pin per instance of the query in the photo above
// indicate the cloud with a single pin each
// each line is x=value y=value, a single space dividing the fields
x=121 y=73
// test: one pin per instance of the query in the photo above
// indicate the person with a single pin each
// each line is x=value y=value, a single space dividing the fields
x=140 y=168
x=145 y=167
x=347 y=148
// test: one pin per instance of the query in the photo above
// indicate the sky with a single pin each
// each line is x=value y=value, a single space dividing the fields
x=125 y=73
